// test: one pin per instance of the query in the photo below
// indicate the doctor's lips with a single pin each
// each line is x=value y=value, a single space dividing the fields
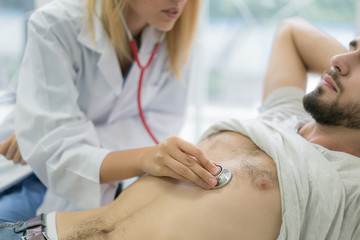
x=172 y=12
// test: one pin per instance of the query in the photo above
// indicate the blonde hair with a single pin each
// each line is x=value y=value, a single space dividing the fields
x=179 y=39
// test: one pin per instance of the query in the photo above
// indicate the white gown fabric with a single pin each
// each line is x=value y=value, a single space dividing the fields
x=320 y=190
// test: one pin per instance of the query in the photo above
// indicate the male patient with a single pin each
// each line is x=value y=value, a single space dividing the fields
x=294 y=177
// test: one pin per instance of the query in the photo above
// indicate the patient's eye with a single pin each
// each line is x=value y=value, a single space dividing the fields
x=353 y=45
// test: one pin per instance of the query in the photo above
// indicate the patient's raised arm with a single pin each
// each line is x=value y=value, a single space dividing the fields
x=298 y=48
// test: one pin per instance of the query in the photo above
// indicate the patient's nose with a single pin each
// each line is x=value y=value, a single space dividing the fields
x=341 y=63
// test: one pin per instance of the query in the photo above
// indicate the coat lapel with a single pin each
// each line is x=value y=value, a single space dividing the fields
x=108 y=62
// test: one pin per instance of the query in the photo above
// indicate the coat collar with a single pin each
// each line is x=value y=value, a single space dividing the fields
x=108 y=61
x=102 y=43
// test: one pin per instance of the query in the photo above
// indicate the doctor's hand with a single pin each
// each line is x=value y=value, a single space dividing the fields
x=10 y=149
x=181 y=160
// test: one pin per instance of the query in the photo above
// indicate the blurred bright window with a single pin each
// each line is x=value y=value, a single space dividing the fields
x=13 y=17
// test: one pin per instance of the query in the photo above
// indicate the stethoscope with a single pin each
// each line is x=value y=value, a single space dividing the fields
x=142 y=68
x=223 y=177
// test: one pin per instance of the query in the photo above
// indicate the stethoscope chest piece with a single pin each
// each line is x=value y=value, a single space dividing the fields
x=223 y=177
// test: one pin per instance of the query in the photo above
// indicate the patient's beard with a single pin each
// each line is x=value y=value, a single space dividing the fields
x=332 y=113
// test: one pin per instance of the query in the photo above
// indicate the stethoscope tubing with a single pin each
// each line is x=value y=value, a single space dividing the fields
x=142 y=68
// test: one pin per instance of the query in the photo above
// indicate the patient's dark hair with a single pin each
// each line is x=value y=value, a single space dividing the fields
x=91 y=229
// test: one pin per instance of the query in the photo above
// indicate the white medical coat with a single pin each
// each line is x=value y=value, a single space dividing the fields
x=74 y=106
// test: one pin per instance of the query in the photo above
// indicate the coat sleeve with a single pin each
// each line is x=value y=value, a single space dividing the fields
x=54 y=135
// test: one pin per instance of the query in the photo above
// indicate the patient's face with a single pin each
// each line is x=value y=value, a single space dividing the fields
x=331 y=102
x=336 y=100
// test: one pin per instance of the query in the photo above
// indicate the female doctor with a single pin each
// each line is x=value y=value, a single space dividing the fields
x=90 y=106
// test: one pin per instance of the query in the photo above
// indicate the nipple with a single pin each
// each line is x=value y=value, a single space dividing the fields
x=223 y=177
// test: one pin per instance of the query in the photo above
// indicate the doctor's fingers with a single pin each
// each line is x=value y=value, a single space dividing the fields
x=193 y=152
x=175 y=150
x=193 y=173
x=184 y=165
x=7 y=147
x=18 y=158
x=13 y=148
x=4 y=146
x=22 y=162
x=176 y=170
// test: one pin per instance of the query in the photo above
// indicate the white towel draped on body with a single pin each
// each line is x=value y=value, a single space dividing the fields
x=320 y=193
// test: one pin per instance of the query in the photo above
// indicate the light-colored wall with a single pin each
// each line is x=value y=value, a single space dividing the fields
x=357 y=19
x=39 y=3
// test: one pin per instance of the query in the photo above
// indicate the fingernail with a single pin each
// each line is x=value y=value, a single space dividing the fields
x=212 y=181
x=206 y=185
x=214 y=170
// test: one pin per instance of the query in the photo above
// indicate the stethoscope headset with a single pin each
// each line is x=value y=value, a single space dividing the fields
x=142 y=68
